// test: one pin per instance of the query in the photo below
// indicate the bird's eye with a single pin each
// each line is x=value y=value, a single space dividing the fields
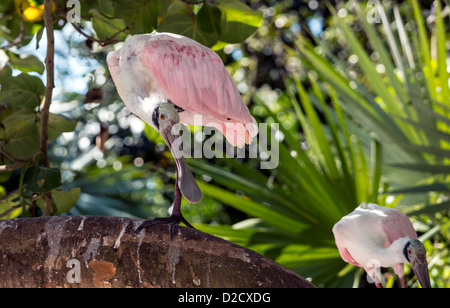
x=162 y=116
x=409 y=251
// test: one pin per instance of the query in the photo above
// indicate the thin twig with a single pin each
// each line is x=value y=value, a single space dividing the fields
x=188 y=7
x=6 y=154
x=45 y=111
x=109 y=40
x=12 y=167
x=49 y=64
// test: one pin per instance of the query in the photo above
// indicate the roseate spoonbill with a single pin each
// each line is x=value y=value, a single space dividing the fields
x=374 y=236
x=164 y=79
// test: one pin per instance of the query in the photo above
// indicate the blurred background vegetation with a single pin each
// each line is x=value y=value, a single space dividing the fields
x=360 y=92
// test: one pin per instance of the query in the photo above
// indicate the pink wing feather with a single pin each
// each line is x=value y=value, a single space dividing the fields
x=397 y=225
x=340 y=234
x=346 y=256
x=195 y=79
x=369 y=225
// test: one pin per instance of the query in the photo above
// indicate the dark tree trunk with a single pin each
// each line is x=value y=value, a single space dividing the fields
x=95 y=251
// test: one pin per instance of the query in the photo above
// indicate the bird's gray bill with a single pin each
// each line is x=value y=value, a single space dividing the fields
x=421 y=271
x=186 y=182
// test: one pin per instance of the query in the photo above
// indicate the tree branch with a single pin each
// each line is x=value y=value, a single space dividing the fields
x=14 y=166
x=96 y=251
x=109 y=40
x=3 y=152
x=45 y=111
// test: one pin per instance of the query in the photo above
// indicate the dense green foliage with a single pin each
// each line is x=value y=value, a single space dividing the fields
x=360 y=95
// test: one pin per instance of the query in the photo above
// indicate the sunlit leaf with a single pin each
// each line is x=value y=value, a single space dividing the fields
x=21 y=134
x=26 y=63
x=180 y=20
x=23 y=91
x=142 y=14
x=238 y=21
x=41 y=179
x=105 y=28
x=59 y=124
x=62 y=201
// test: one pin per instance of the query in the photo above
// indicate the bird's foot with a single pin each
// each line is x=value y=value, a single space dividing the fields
x=172 y=221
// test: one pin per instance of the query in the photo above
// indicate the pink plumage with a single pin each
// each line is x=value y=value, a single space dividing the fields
x=194 y=78
x=373 y=236
x=397 y=225
x=165 y=79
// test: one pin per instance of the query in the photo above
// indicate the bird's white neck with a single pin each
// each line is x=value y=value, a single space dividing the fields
x=389 y=256
x=143 y=106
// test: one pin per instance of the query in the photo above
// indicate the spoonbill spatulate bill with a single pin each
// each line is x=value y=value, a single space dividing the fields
x=374 y=236
x=165 y=79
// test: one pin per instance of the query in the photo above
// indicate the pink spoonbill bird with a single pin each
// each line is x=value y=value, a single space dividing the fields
x=374 y=236
x=165 y=79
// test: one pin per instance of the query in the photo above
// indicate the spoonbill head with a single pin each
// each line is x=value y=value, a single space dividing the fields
x=373 y=236
x=416 y=255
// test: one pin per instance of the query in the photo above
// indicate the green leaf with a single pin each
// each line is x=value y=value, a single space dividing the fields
x=58 y=124
x=7 y=202
x=39 y=179
x=12 y=26
x=256 y=189
x=385 y=59
x=253 y=208
x=439 y=153
x=238 y=21
x=423 y=49
x=21 y=131
x=143 y=14
x=366 y=64
x=317 y=135
x=441 y=41
x=427 y=168
x=443 y=187
x=209 y=18
x=5 y=74
x=181 y=21
x=39 y=36
x=106 y=7
x=2 y=192
x=5 y=175
x=63 y=201
x=106 y=28
x=25 y=63
x=375 y=170
x=21 y=134
x=152 y=135
x=431 y=209
x=5 y=4
x=23 y=91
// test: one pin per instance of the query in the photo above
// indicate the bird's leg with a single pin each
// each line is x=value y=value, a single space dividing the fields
x=402 y=282
x=378 y=285
x=374 y=276
x=380 y=282
x=176 y=211
x=174 y=219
